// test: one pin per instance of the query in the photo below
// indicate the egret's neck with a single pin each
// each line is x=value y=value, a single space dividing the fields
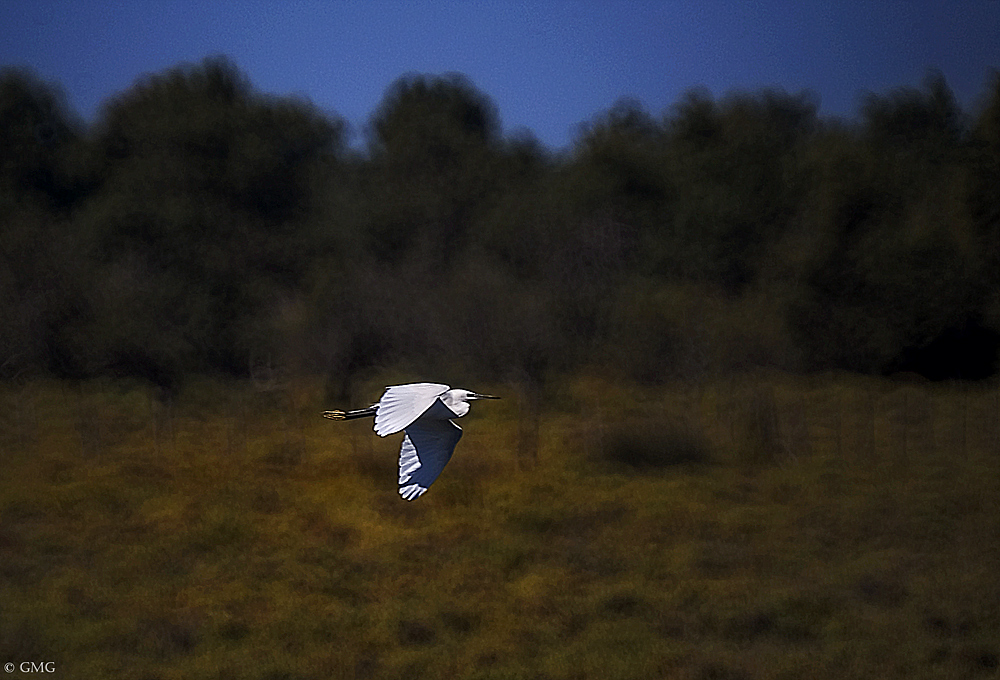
x=455 y=401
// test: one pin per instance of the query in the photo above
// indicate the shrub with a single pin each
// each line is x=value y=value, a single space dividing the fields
x=653 y=443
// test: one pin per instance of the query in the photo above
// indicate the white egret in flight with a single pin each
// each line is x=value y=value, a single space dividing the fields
x=424 y=412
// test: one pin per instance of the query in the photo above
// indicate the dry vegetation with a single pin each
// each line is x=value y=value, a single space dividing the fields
x=775 y=527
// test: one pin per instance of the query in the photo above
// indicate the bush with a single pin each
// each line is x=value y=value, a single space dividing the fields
x=653 y=443
x=758 y=439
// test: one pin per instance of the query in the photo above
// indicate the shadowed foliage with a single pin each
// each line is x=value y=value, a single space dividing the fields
x=652 y=444
x=199 y=226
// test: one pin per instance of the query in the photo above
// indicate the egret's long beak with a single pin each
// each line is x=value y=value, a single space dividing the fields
x=481 y=396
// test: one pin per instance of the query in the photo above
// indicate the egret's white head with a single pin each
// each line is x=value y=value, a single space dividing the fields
x=458 y=400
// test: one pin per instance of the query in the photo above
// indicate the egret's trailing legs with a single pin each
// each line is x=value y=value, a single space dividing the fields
x=351 y=415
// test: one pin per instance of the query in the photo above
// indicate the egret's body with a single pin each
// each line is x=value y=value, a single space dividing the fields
x=424 y=412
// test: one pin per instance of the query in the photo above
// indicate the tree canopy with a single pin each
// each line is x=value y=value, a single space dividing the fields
x=201 y=226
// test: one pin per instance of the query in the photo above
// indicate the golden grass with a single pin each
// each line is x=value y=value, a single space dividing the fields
x=818 y=528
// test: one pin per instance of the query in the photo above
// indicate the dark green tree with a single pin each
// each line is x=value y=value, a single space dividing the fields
x=38 y=139
x=202 y=219
x=900 y=266
x=732 y=169
x=42 y=277
x=433 y=145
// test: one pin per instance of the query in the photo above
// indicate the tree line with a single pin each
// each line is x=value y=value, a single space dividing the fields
x=199 y=226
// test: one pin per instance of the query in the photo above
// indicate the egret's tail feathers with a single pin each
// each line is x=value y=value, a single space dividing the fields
x=350 y=415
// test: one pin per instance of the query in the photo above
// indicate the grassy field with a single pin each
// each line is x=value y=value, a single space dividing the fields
x=772 y=527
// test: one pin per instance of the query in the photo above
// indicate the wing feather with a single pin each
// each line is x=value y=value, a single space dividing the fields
x=427 y=448
x=401 y=405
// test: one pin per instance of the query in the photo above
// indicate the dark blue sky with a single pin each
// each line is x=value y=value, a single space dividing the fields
x=548 y=65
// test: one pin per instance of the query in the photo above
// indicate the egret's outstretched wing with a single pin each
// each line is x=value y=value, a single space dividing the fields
x=427 y=448
x=400 y=405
